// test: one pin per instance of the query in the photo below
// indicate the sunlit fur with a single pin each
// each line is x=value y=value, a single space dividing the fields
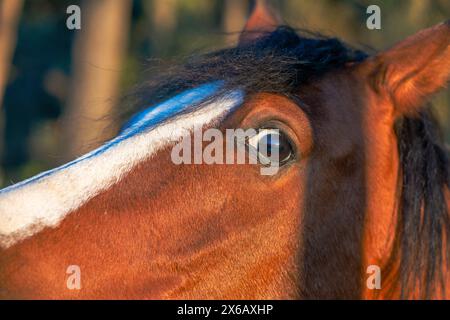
x=52 y=195
x=369 y=185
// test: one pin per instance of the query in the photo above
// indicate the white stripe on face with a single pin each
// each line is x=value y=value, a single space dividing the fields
x=44 y=201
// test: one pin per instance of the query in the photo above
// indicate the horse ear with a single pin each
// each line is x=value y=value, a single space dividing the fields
x=415 y=68
x=261 y=21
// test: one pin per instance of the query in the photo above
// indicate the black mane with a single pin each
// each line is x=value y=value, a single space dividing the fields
x=283 y=60
x=424 y=223
x=279 y=63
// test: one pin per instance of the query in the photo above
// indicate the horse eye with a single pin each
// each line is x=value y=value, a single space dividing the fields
x=272 y=145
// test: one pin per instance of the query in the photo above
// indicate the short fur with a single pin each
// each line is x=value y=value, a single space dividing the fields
x=280 y=62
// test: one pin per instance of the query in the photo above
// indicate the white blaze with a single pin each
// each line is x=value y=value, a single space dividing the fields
x=45 y=200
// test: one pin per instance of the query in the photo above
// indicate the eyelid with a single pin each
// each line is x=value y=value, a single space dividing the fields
x=291 y=116
x=253 y=141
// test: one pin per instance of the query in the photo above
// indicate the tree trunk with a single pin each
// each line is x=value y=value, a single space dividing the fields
x=98 y=53
x=234 y=18
x=9 y=19
x=10 y=11
x=162 y=16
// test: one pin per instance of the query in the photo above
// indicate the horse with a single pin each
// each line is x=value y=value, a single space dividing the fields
x=364 y=182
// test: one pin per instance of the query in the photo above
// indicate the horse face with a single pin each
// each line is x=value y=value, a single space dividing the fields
x=227 y=231
x=180 y=231
x=219 y=231
x=168 y=230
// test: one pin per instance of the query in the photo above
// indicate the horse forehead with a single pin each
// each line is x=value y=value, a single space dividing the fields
x=47 y=198
x=170 y=107
x=138 y=124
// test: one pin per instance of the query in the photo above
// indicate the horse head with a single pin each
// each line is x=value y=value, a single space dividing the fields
x=361 y=180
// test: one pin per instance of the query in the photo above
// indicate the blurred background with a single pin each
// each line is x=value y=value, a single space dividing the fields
x=58 y=86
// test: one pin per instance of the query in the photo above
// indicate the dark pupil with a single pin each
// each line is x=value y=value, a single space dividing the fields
x=282 y=146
